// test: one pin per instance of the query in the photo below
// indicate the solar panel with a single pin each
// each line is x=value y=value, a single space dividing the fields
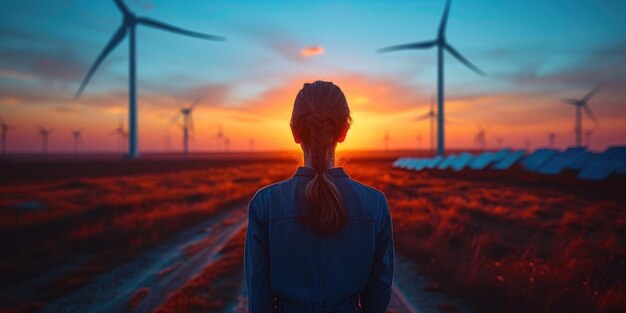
x=445 y=163
x=621 y=169
x=583 y=161
x=433 y=162
x=559 y=162
x=534 y=161
x=461 y=161
x=417 y=164
x=409 y=163
x=509 y=160
x=605 y=164
x=398 y=162
x=481 y=161
x=484 y=160
x=402 y=162
x=503 y=153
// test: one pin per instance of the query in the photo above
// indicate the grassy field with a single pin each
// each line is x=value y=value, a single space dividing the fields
x=501 y=243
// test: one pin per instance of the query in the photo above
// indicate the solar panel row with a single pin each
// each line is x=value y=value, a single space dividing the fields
x=591 y=166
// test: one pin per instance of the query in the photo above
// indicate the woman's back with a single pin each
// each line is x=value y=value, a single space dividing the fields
x=303 y=270
x=319 y=241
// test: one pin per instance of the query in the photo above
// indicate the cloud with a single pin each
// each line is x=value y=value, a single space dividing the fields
x=312 y=51
x=8 y=73
x=59 y=64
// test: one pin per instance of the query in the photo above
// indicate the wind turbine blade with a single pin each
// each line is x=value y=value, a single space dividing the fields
x=444 y=19
x=157 y=24
x=592 y=93
x=422 y=117
x=409 y=46
x=590 y=114
x=463 y=60
x=570 y=101
x=121 y=6
x=195 y=103
x=115 y=40
x=175 y=117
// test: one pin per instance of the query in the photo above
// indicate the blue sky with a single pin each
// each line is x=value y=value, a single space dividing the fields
x=532 y=51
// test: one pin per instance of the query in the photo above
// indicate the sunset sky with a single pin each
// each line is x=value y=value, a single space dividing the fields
x=534 y=53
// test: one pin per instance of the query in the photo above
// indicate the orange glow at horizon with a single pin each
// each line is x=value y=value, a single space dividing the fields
x=377 y=104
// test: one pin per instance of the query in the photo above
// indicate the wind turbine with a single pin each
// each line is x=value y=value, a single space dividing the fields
x=430 y=115
x=583 y=104
x=78 y=139
x=441 y=44
x=122 y=135
x=4 y=128
x=187 y=125
x=251 y=143
x=220 y=137
x=481 y=137
x=386 y=140
x=419 y=141
x=499 y=142
x=129 y=22
x=552 y=140
x=44 y=133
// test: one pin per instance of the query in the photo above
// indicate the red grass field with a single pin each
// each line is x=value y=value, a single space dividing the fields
x=112 y=237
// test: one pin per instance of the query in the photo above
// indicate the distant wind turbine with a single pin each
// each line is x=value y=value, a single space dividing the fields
x=430 y=115
x=481 y=137
x=121 y=134
x=187 y=125
x=552 y=140
x=419 y=142
x=4 y=128
x=251 y=143
x=129 y=22
x=442 y=44
x=499 y=142
x=78 y=139
x=583 y=104
x=220 y=137
x=386 y=140
x=44 y=133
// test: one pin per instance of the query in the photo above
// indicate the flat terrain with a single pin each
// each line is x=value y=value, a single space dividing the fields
x=165 y=234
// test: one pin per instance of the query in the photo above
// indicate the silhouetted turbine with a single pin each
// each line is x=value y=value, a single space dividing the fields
x=44 y=133
x=4 y=128
x=430 y=115
x=552 y=140
x=187 y=125
x=441 y=44
x=580 y=105
x=129 y=22
x=121 y=134
x=78 y=139
x=481 y=137
x=386 y=140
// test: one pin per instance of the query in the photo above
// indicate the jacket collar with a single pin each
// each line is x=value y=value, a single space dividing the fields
x=335 y=172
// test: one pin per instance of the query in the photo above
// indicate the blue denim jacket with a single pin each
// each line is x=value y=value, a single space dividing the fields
x=290 y=269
